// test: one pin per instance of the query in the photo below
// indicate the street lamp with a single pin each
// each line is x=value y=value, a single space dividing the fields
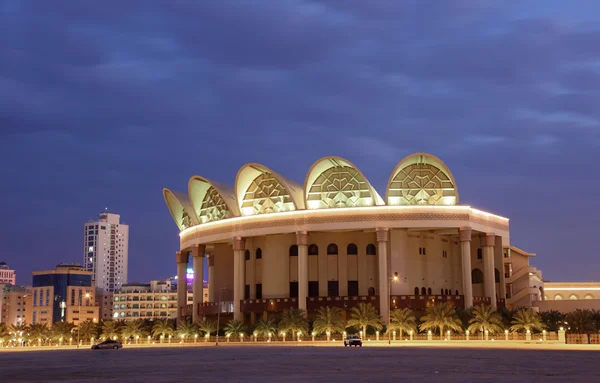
x=87 y=295
x=394 y=278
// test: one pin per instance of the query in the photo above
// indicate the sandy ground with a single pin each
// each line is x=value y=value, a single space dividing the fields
x=301 y=364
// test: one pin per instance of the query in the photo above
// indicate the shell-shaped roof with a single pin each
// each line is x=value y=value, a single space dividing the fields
x=210 y=200
x=421 y=179
x=260 y=190
x=335 y=182
x=180 y=208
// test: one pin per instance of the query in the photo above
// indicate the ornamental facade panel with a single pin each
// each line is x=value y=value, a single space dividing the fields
x=213 y=207
x=422 y=184
x=339 y=186
x=266 y=194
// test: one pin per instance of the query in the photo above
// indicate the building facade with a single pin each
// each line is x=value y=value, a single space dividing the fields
x=7 y=276
x=63 y=294
x=154 y=300
x=106 y=251
x=15 y=307
x=270 y=243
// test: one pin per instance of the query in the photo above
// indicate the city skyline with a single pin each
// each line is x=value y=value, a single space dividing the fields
x=101 y=106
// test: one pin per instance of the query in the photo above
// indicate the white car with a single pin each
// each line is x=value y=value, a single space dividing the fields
x=353 y=340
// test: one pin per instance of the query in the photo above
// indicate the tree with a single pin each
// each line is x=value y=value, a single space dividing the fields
x=581 y=321
x=234 y=328
x=187 y=329
x=39 y=332
x=294 y=321
x=485 y=318
x=329 y=321
x=364 y=316
x=207 y=327
x=440 y=316
x=4 y=334
x=133 y=329
x=110 y=329
x=553 y=320
x=402 y=321
x=526 y=319
x=266 y=327
x=88 y=330
x=163 y=328
x=62 y=330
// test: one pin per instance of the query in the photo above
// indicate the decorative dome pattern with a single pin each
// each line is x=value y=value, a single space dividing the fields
x=266 y=194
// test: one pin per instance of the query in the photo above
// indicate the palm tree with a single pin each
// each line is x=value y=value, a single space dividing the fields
x=133 y=329
x=87 y=330
x=485 y=318
x=265 y=327
x=440 y=316
x=403 y=321
x=234 y=328
x=162 y=328
x=187 y=329
x=110 y=329
x=526 y=320
x=4 y=334
x=294 y=321
x=329 y=321
x=553 y=320
x=363 y=316
x=581 y=321
x=39 y=332
x=62 y=330
x=207 y=327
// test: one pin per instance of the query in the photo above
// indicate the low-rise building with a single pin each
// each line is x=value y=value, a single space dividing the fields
x=524 y=283
x=105 y=303
x=7 y=276
x=63 y=294
x=15 y=307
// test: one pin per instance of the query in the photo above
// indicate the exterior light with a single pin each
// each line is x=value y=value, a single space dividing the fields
x=467 y=332
x=410 y=332
x=562 y=329
x=429 y=332
x=195 y=336
x=506 y=331
x=314 y=333
x=377 y=332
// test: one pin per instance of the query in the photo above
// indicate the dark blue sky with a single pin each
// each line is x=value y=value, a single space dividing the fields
x=104 y=103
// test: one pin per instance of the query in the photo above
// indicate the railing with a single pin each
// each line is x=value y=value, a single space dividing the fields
x=419 y=302
x=273 y=304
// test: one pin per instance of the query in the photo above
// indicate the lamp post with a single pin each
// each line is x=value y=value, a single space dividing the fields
x=394 y=278
x=87 y=295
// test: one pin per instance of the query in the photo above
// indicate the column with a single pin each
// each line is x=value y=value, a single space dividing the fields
x=211 y=278
x=489 y=284
x=182 y=262
x=198 y=284
x=464 y=234
x=302 y=242
x=384 y=294
x=239 y=246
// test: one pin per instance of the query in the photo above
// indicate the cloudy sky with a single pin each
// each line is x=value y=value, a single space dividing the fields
x=104 y=103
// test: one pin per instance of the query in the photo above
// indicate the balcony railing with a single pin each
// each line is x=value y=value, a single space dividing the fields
x=419 y=302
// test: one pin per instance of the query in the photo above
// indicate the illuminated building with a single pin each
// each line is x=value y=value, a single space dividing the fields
x=7 y=276
x=270 y=243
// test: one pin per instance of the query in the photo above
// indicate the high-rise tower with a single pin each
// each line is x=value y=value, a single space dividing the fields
x=106 y=251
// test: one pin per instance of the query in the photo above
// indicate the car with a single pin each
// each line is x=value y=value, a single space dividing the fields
x=108 y=344
x=353 y=340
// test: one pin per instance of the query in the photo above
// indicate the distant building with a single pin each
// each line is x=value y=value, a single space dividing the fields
x=154 y=300
x=15 y=308
x=106 y=251
x=105 y=303
x=7 y=276
x=58 y=295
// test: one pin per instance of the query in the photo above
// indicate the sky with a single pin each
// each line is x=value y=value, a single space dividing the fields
x=104 y=103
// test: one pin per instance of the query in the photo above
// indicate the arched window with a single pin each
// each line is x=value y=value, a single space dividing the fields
x=313 y=249
x=479 y=253
x=332 y=249
x=496 y=275
x=423 y=291
x=424 y=252
x=352 y=249
x=258 y=253
x=589 y=296
x=371 y=249
x=420 y=251
x=573 y=297
x=429 y=291
x=476 y=276
x=446 y=291
x=442 y=293
x=416 y=291
x=294 y=251
x=371 y=291
x=247 y=255
x=456 y=292
x=558 y=297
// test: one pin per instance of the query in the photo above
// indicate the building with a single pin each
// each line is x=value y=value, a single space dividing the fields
x=524 y=283
x=105 y=304
x=106 y=251
x=63 y=294
x=15 y=308
x=7 y=276
x=570 y=296
x=154 y=300
x=270 y=243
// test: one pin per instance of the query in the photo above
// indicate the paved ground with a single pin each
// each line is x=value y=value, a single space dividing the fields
x=300 y=364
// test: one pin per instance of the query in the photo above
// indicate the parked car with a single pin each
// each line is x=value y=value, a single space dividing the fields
x=353 y=340
x=108 y=344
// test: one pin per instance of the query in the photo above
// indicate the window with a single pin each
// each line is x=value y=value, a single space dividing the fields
x=420 y=251
x=371 y=249
x=313 y=288
x=416 y=291
x=352 y=249
x=259 y=291
x=332 y=249
x=333 y=289
x=444 y=254
x=294 y=251
x=247 y=255
x=293 y=289
x=479 y=253
x=247 y=292
x=72 y=297
x=371 y=291
x=352 y=288
x=313 y=249
x=34 y=298
x=476 y=276
x=496 y=276
x=429 y=291
x=258 y=253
